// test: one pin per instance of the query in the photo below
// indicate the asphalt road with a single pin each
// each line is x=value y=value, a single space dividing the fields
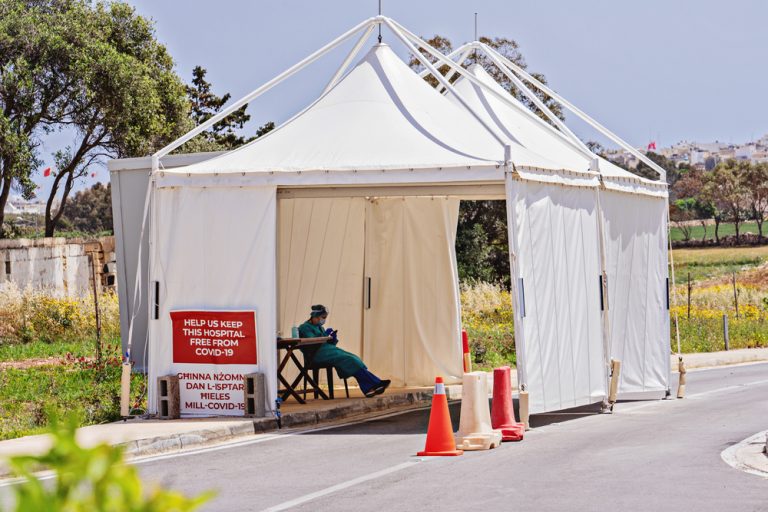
x=649 y=455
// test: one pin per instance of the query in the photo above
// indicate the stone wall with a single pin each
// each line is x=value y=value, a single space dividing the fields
x=57 y=264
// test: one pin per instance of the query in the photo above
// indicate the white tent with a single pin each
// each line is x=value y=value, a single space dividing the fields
x=363 y=186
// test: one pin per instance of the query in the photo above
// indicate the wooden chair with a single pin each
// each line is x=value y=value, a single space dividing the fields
x=309 y=355
x=329 y=377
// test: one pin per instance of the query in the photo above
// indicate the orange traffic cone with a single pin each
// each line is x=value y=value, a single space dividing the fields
x=502 y=413
x=440 y=440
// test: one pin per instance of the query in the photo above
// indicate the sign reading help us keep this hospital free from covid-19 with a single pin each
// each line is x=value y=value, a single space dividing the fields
x=212 y=352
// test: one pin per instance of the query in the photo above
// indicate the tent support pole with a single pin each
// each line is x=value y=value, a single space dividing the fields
x=442 y=59
x=460 y=61
x=351 y=55
x=514 y=271
x=468 y=47
x=472 y=79
x=440 y=78
x=605 y=313
x=673 y=297
x=264 y=88
x=426 y=72
x=537 y=101
x=582 y=115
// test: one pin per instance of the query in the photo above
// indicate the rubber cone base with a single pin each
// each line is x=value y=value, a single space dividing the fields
x=512 y=432
x=479 y=441
x=441 y=454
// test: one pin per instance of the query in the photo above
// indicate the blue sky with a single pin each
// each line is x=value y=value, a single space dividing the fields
x=663 y=70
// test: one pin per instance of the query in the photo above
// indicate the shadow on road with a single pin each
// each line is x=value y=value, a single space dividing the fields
x=415 y=422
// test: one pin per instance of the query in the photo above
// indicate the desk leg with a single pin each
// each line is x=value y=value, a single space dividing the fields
x=289 y=389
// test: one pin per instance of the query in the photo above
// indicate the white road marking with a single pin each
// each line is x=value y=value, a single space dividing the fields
x=270 y=437
x=263 y=438
x=344 y=485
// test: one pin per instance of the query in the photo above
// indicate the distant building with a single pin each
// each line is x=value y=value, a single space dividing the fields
x=18 y=206
x=700 y=155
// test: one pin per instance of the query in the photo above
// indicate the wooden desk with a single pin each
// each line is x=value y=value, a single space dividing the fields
x=291 y=345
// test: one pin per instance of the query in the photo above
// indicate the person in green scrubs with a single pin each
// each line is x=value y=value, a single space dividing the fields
x=346 y=363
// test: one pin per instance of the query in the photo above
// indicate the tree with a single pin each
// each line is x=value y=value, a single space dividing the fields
x=691 y=187
x=205 y=104
x=90 y=210
x=644 y=170
x=755 y=178
x=92 y=69
x=223 y=136
x=681 y=212
x=725 y=188
x=482 y=247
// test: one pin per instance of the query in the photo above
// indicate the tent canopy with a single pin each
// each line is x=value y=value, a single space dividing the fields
x=381 y=116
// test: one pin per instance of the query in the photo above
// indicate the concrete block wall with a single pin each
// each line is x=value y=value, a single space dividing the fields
x=58 y=265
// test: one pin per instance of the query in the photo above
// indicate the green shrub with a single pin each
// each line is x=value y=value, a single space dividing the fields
x=32 y=315
x=487 y=316
x=89 y=479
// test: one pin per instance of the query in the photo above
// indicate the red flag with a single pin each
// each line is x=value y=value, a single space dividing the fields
x=652 y=145
x=93 y=175
x=47 y=172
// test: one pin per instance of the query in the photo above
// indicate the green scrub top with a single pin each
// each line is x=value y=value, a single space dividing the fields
x=346 y=363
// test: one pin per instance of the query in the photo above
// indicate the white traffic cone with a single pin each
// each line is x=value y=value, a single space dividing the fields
x=475 y=432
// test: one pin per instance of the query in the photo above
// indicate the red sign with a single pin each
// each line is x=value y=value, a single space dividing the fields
x=214 y=337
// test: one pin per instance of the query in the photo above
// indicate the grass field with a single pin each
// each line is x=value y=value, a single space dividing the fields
x=30 y=392
x=726 y=229
x=48 y=361
x=715 y=262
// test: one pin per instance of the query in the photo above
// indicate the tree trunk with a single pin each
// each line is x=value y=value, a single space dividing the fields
x=717 y=230
x=736 y=225
x=5 y=192
x=704 y=227
x=51 y=220
x=759 y=221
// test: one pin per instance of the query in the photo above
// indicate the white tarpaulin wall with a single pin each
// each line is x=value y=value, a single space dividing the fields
x=554 y=233
x=213 y=249
x=408 y=329
x=636 y=265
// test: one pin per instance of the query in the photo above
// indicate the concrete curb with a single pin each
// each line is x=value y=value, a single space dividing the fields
x=180 y=441
x=723 y=358
x=749 y=455
x=357 y=409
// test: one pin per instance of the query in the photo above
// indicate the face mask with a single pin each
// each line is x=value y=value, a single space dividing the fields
x=322 y=321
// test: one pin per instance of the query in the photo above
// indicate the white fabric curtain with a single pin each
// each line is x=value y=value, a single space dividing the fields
x=214 y=249
x=554 y=231
x=636 y=254
x=320 y=260
x=412 y=328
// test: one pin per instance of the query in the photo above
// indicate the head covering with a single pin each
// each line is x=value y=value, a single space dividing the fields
x=318 y=310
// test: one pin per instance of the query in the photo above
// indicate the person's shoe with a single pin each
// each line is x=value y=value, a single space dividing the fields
x=381 y=387
x=370 y=393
